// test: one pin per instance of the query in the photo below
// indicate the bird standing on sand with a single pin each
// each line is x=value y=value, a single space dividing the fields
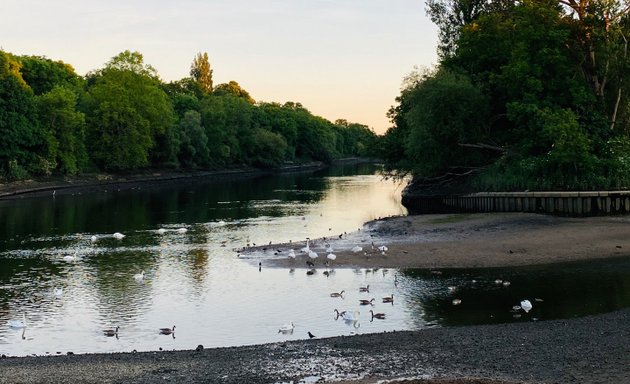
x=310 y=335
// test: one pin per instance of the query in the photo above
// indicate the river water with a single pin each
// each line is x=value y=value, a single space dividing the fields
x=70 y=288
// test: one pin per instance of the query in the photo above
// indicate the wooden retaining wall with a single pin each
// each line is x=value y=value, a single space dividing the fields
x=591 y=203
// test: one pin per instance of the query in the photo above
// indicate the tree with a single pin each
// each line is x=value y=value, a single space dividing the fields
x=42 y=74
x=194 y=142
x=127 y=112
x=66 y=126
x=201 y=72
x=234 y=89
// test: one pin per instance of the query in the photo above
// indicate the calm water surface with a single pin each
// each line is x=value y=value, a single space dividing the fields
x=194 y=280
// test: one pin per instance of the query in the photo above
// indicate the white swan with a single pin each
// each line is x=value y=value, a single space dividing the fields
x=70 y=258
x=357 y=249
x=118 y=236
x=526 y=305
x=306 y=249
x=161 y=231
x=287 y=328
x=182 y=230
x=291 y=254
x=312 y=254
x=331 y=256
x=93 y=238
x=18 y=324
x=139 y=276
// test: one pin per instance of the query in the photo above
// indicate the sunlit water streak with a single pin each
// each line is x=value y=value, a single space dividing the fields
x=195 y=280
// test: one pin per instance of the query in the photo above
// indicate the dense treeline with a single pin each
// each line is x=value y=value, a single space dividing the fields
x=122 y=118
x=527 y=95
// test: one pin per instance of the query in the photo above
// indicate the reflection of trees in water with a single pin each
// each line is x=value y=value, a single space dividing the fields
x=556 y=292
x=198 y=269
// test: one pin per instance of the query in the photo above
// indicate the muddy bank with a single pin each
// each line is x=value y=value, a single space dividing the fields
x=593 y=349
x=463 y=241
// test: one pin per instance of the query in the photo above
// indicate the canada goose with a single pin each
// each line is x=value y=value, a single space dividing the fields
x=111 y=332
x=347 y=315
x=18 y=323
x=388 y=299
x=167 y=331
x=310 y=272
x=287 y=328
x=337 y=294
x=309 y=263
x=337 y=313
x=118 y=236
x=366 y=302
x=365 y=289
x=377 y=315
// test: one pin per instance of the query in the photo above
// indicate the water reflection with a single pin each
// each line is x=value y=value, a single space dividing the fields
x=193 y=279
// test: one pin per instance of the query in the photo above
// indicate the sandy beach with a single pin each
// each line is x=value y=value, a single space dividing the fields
x=592 y=349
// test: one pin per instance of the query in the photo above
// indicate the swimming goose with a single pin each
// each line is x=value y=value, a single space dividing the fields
x=337 y=294
x=167 y=331
x=364 y=289
x=111 y=332
x=377 y=315
x=366 y=302
x=347 y=315
x=388 y=299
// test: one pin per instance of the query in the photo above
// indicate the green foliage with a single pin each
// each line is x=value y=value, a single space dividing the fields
x=201 y=73
x=66 y=126
x=513 y=104
x=122 y=118
x=127 y=113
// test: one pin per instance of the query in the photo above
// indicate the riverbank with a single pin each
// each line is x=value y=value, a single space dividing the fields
x=482 y=240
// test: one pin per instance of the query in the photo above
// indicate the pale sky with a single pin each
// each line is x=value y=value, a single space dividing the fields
x=341 y=59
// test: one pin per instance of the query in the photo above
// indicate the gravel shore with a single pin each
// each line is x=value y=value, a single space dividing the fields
x=591 y=349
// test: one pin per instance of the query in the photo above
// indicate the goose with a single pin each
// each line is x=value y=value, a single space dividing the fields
x=118 y=236
x=287 y=328
x=377 y=315
x=526 y=305
x=139 y=276
x=357 y=249
x=337 y=294
x=167 y=331
x=111 y=332
x=389 y=299
x=366 y=302
x=161 y=231
x=309 y=263
x=18 y=324
x=365 y=289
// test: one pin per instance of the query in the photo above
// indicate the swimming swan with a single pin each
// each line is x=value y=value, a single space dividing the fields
x=18 y=324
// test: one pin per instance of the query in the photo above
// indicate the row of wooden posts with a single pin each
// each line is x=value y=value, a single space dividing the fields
x=589 y=203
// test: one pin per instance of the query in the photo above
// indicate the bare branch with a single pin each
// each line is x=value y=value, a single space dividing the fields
x=483 y=146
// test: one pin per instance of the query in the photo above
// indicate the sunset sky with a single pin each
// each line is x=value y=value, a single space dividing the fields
x=340 y=59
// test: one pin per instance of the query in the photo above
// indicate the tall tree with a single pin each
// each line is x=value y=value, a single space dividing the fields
x=201 y=72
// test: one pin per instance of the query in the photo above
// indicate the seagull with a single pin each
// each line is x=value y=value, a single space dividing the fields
x=18 y=324
x=287 y=328
x=526 y=305
x=118 y=236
